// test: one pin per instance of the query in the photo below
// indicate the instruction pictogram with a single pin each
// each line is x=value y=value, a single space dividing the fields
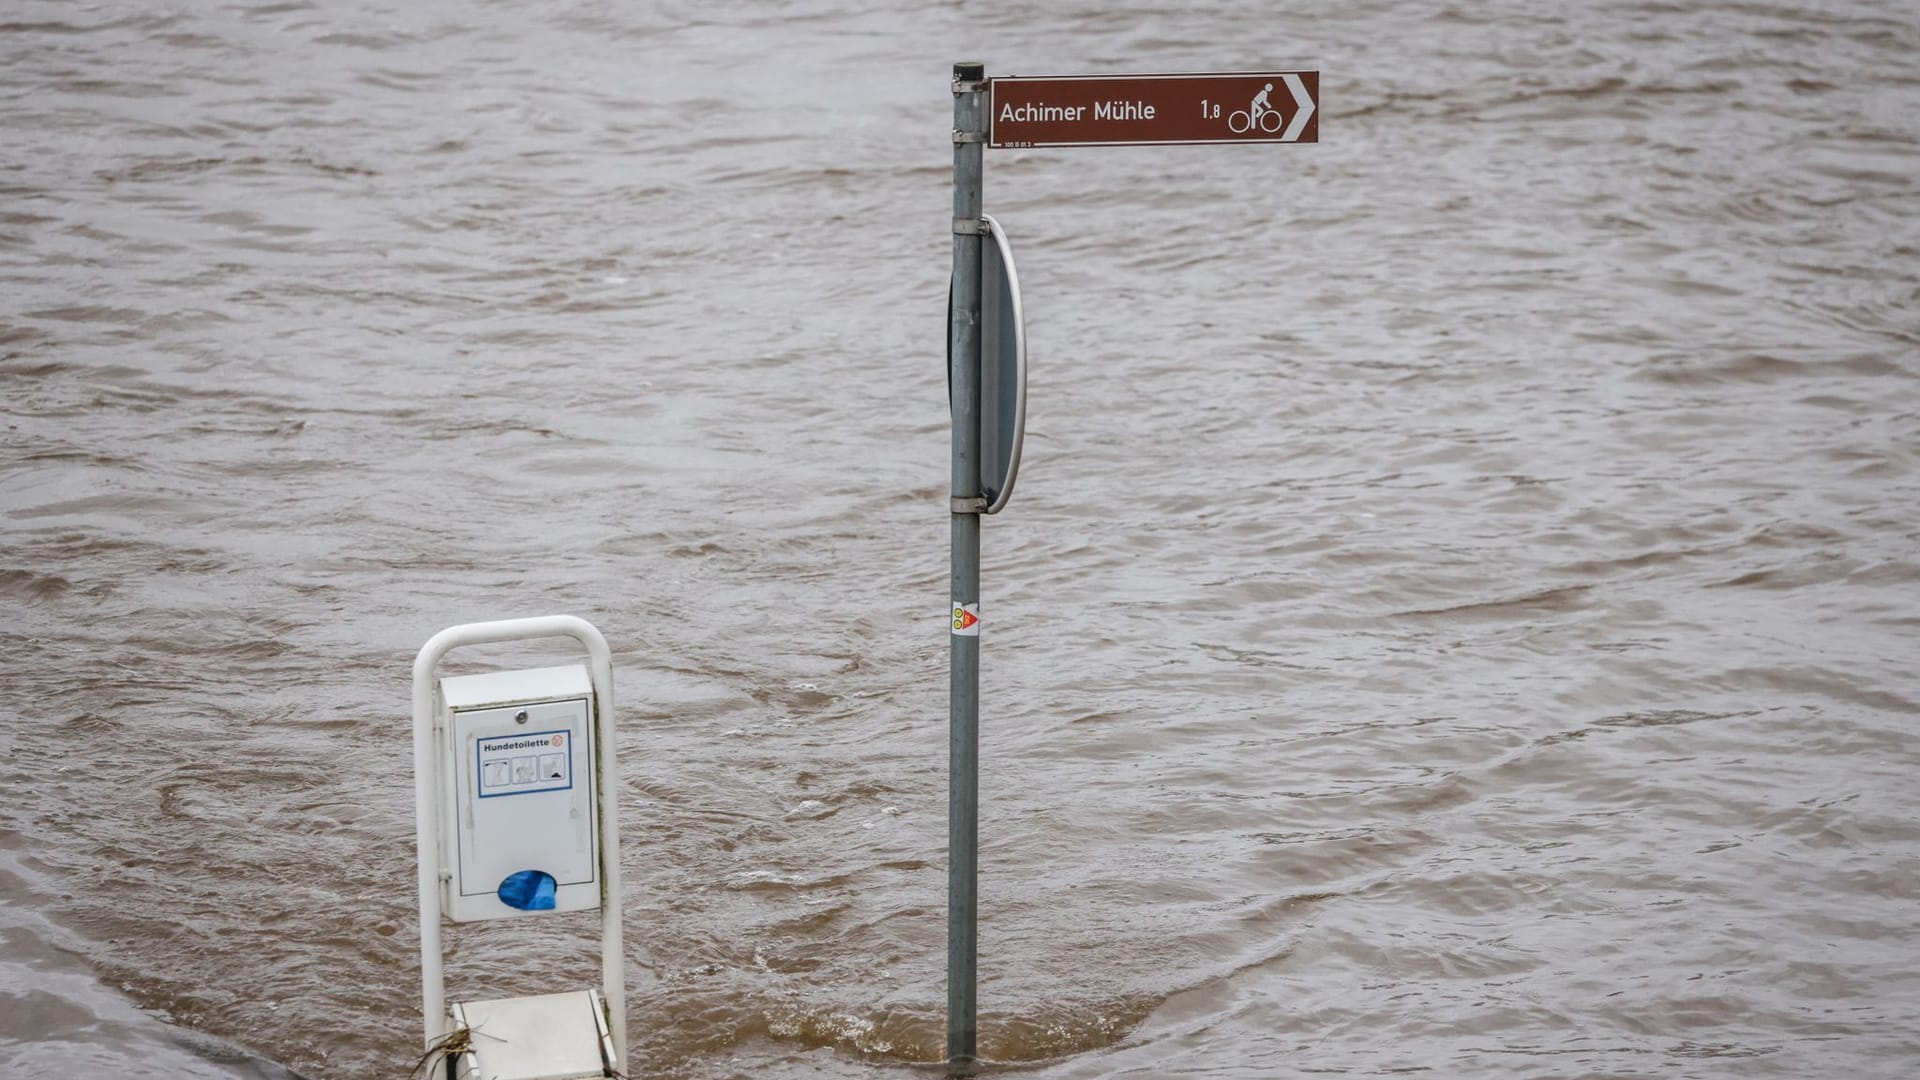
x=523 y=764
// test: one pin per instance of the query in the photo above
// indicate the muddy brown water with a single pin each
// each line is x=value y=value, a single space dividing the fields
x=1459 y=614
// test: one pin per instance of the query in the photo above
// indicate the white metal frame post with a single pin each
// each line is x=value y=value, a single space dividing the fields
x=428 y=802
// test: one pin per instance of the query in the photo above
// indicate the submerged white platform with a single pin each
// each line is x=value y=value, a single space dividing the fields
x=548 y=1037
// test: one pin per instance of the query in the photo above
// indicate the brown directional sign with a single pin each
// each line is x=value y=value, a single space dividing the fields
x=1148 y=110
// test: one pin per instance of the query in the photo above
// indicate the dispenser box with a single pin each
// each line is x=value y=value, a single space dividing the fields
x=517 y=759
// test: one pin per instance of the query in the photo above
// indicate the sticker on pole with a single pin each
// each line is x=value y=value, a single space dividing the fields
x=966 y=620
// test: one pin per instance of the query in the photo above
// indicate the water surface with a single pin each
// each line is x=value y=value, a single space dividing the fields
x=1458 y=614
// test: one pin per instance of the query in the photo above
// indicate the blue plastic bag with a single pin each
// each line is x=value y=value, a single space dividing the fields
x=528 y=890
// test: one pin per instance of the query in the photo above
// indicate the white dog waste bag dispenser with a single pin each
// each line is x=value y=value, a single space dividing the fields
x=516 y=820
x=523 y=834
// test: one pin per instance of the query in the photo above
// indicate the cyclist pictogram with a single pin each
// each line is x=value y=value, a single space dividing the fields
x=1260 y=115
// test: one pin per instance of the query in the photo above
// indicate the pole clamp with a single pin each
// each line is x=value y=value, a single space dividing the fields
x=972 y=505
x=971 y=227
x=971 y=87
x=968 y=136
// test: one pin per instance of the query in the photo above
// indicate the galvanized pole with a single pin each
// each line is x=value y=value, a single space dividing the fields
x=963 y=731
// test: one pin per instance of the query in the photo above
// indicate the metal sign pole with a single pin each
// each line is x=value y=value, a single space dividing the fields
x=1071 y=110
x=963 y=695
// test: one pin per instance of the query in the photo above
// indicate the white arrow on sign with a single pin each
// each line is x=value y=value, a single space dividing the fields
x=1303 y=104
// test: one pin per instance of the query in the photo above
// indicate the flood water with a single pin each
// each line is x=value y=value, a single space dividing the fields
x=1458 y=616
